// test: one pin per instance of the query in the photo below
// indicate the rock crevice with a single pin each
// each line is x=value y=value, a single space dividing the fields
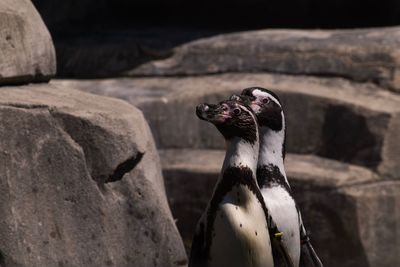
x=124 y=168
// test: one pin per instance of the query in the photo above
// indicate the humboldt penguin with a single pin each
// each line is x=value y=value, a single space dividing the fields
x=271 y=176
x=235 y=230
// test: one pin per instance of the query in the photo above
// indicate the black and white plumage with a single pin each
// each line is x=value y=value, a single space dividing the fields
x=235 y=229
x=271 y=176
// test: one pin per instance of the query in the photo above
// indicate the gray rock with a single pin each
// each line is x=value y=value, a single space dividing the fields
x=368 y=55
x=80 y=183
x=334 y=118
x=345 y=207
x=26 y=49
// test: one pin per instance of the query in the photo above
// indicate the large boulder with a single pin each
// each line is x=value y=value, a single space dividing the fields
x=351 y=213
x=80 y=183
x=330 y=117
x=26 y=48
x=368 y=55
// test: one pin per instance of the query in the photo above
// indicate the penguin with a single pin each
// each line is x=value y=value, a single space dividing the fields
x=235 y=230
x=271 y=176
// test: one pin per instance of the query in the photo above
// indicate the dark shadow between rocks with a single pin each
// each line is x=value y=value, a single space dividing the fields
x=188 y=207
x=347 y=137
x=112 y=51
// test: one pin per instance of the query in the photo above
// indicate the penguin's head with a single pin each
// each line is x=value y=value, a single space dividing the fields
x=265 y=104
x=232 y=119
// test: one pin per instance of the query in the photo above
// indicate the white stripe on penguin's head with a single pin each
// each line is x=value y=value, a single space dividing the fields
x=262 y=94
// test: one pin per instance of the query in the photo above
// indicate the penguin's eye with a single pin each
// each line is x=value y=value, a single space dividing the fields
x=265 y=100
x=237 y=111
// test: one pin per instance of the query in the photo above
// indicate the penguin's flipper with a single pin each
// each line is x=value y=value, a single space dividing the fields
x=280 y=254
x=197 y=254
x=308 y=256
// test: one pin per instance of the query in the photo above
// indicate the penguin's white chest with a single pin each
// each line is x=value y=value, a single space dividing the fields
x=240 y=234
x=282 y=208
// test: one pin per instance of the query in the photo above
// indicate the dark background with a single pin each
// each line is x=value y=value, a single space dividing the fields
x=220 y=14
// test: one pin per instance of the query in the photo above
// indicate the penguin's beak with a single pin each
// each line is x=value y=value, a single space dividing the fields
x=211 y=113
x=201 y=111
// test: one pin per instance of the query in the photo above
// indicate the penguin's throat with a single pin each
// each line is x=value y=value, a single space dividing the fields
x=271 y=148
x=241 y=153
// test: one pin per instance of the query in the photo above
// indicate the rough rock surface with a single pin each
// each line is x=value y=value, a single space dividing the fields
x=80 y=183
x=26 y=49
x=345 y=207
x=334 y=118
x=370 y=55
